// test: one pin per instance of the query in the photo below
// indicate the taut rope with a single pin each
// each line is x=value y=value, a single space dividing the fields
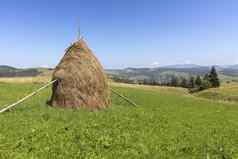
x=28 y=96
x=123 y=97
x=50 y=83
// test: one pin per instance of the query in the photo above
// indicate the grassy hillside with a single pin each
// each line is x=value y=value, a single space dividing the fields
x=161 y=75
x=167 y=124
x=8 y=71
x=227 y=92
x=6 y=68
x=164 y=74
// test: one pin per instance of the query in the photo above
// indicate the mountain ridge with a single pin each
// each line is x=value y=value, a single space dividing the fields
x=163 y=72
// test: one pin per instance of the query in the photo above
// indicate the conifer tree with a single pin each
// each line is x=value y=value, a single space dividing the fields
x=184 y=83
x=205 y=85
x=206 y=77
x=191 y=82
x=213 y=78
x=198 y=81
x=174 y=81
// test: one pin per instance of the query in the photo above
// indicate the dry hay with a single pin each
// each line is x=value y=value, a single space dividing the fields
x=81 y=80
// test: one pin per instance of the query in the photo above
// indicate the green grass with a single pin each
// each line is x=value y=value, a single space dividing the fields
x=227 y=92
x=225 y=78
x=165 y=125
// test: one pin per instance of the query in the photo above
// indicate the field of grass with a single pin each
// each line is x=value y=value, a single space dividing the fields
x=225 y=78
x=168 y=123
x=38 y=79
x=227 y=92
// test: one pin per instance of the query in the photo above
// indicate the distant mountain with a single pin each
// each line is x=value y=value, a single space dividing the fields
x=233 y=66
x=6 y=68
x=162 y=74
x=199 y=66
x=8 y=71
x=183 y=66
x=165 y=73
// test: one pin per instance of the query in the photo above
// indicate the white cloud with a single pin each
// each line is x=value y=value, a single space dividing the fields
x=45 y=66
x=236 y=62
x=187 y=62
x=155 y=64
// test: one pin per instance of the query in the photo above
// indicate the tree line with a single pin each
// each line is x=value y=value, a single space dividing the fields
x=198 y=83
x=193 y=83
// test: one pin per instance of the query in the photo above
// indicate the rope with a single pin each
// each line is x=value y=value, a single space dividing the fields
x=48 y=84
x=27 y=97
x=123 y=97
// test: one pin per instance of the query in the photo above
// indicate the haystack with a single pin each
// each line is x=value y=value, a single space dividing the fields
x=81 y=81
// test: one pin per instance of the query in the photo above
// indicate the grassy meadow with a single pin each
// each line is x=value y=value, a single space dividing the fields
x=22 y=80
x=227 y=92
x=168 y=123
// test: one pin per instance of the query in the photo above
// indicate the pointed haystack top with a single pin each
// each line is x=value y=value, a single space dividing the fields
x=81 y=80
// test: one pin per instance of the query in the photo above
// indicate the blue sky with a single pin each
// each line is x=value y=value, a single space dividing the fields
x=122 y=33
